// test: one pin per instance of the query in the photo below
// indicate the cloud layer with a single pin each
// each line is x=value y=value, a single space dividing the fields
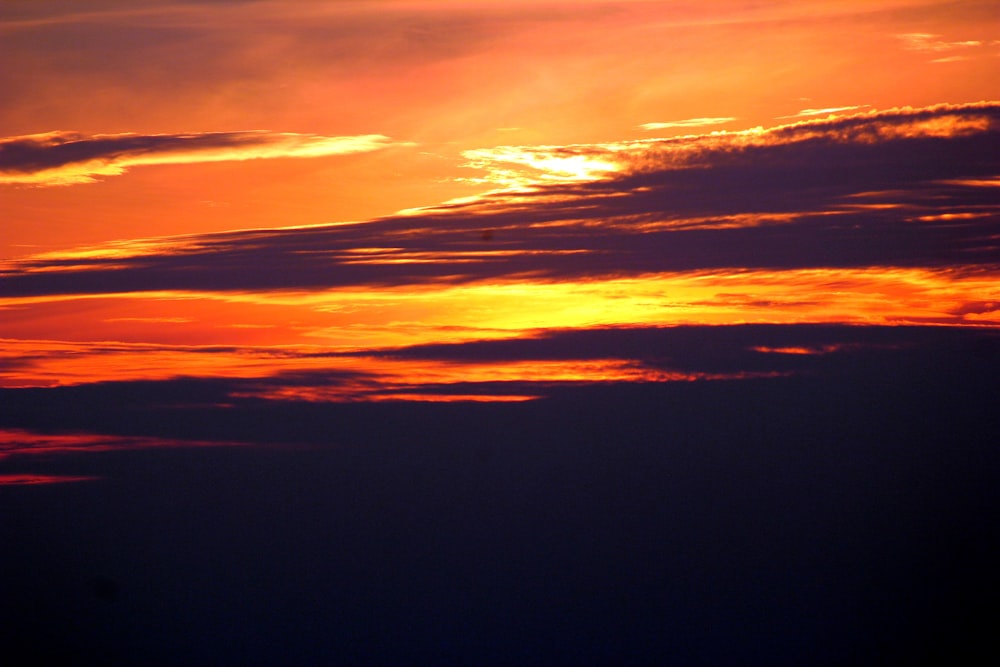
x=65 y=158
x=905 y=188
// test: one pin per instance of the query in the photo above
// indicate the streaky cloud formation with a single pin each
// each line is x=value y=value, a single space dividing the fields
x=828 y=111
x=68 y=158
x=548 y=366
x=24 y=449
x=689 y=122
x=908 y=188
x=18 y=443
x=15 y=479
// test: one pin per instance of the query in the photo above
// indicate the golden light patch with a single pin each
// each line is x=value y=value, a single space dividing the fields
x=351 y=319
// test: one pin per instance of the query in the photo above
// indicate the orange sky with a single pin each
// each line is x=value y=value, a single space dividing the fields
x=437 y=78
x=194 y=118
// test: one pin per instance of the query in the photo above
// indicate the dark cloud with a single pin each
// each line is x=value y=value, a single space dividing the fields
x=694 y=348
x=873 y=190
x=49 y=151
x=239 y=408
x=846 y=511
x=61 y=158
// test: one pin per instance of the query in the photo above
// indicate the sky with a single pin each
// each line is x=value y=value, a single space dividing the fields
x=523 y=329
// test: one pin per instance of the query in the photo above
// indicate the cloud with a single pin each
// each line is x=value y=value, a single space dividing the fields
x=513 y=513
x=524 y=166
x=873 y=190
x=948 y=51
x=829 y=111
x=18 y=448
x=66 y=158
x=18 y=443
x=547 y=364
x=690 y=122
x=922 y=41
x=718 y=149
x=22 y=479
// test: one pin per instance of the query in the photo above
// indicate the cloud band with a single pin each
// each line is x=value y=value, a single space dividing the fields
x=66 y=158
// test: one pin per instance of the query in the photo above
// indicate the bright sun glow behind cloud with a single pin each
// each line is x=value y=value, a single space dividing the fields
x=520 y=167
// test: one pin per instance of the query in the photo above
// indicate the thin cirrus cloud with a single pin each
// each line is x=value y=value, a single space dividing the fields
x=907 y=189
x=18 y=447
x=68 y=158
x=923 y=41
x=688 y=122
x=948 y=50
x=827 y=111
x=466 y=368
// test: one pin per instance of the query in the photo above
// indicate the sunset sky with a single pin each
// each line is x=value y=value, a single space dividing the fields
x=241 y=229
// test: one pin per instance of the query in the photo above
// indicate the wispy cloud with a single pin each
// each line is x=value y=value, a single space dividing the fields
x=17 y=447
x=902 y=204
x=923 y=41
x=517 y=369
x=948 y=50
x=610 y=161
x=689 y=122
x=66 y=158
x=28 y=479
x=17 y=443
x=828 y=111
